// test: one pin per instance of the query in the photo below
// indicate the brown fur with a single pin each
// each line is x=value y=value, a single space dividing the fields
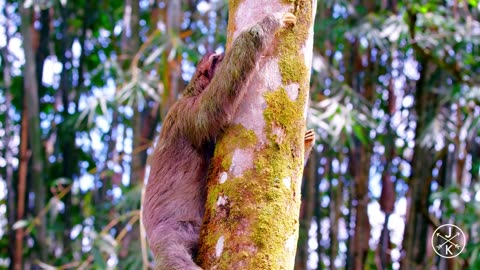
x=175 y=194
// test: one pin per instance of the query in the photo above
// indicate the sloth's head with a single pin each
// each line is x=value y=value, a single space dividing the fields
x=212 y=61
x=206 y=69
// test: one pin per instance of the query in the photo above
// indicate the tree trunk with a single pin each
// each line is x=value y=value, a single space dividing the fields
x=360 y=162
x=21 y=187
x=387 y=196
x=31 y=99
x=173 y=74
x=8 y=124
x=66 y=136
x=306 y=212
x=253 y=201
x=131 y=44
x=415 y=235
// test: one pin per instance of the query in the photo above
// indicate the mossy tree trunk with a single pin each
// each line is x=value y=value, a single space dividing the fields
x=253 y=202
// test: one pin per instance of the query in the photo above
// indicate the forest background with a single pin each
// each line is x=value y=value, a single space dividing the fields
x=395 y=104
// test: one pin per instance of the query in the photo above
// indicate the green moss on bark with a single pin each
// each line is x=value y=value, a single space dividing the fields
x=241 y=138
x=292 y=66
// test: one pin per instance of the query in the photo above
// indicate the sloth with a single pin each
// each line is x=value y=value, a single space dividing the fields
x=175 y=194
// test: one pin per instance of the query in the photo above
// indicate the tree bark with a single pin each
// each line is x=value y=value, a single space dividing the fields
x=173 y=74
x=388 y=195
x=9 y=124
x=34 y=134
x=253 y=201
x=131 y=44
x=306 y=211
x=21 y=187
x=66 y=136
x=415 y=236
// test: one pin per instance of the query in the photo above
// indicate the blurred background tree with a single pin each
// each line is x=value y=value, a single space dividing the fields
x=395 y=104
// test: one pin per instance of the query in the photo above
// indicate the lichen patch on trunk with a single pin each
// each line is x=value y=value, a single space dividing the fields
x=242 y=160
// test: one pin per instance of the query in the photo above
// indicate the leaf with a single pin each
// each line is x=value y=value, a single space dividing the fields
x=98 y=259
x=20 y=224
x=359 y=132
x=473 y=2
x=155 y=54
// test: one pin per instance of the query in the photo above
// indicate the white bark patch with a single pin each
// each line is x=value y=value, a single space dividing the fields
x=219 y=246
x=272 y=80
x=252 y=104
x=279 y=133
x=290 y=244
x=223 y=178
x=222 y=200
x=287 y=181
x=292 y=91
x=242 y=160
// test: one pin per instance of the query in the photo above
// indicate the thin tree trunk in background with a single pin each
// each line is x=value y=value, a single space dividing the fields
x=387 y=196
x=7 y=78
x=445 y=179
x=42 y=51
x=450 y=176
x=460 y=149
x=24 y=157
x=318 y=206
x=359 y=165
x=31 y=99
x=66 y=136
x=360 y=156
x=361 y=236
x=150 y=114
x=172 y=76
x=306 y=211
x=106 y=178
x=323 y=13
x=415 y=236
x=349 y=225
x=334 y=215
x=92 y=11
x=261 y=198
x=362 y=160
x=9 y=169
x=131 y=45
x=475 y=154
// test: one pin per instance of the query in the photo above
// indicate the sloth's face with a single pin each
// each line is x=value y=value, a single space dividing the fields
x=214 y=60
x=206 y=69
